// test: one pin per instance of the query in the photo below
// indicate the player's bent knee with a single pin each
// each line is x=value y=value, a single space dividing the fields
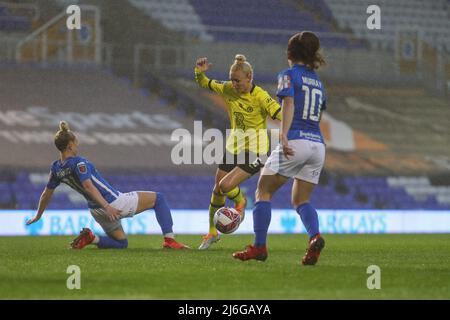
x=225 y=187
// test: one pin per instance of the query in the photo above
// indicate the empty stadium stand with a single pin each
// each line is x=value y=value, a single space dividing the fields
x=13 y=22
x=178 y=15
x=430 y=18
x=263 y=21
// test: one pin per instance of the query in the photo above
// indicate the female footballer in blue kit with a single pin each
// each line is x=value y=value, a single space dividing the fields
x=301 y=152
x=106 y=204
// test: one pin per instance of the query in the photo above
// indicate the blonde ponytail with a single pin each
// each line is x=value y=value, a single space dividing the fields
x=240 y=58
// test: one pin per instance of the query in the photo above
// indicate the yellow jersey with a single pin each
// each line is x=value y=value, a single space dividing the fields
x=248 y=114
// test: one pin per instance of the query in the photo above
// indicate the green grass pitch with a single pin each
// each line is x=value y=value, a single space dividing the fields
x=412 y=267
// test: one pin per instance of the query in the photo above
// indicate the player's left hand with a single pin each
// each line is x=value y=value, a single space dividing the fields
x=287 y=150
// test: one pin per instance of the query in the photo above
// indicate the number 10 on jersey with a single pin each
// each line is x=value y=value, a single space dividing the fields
x=313 y=105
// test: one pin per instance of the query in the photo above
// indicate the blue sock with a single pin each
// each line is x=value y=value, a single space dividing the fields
x=261 y=221
x=106 y=242
x=163 y=214
x=309 y=218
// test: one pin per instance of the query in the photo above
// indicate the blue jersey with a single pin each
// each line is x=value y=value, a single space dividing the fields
x=305 y=87
x=73 y=171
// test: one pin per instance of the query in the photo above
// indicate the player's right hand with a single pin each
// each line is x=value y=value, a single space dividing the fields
x=33 y=220
x=287 y=150
x=203 y=64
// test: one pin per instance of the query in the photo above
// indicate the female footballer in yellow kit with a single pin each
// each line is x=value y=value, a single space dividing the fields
x=248 y=108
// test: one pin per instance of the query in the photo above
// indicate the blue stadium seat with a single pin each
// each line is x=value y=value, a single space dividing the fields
x=363 y=193
x=265 y=15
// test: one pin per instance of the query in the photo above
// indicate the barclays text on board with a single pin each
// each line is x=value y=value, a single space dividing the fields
x=70 y=222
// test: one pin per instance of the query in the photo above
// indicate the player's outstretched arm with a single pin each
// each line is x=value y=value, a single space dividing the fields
x=113 y=213
x=43 y=203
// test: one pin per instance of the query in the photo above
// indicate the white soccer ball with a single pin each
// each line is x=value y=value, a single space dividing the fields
x=227 y=220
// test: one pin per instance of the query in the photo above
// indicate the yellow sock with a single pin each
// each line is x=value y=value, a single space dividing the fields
x=236 y=195
x=217 y=201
